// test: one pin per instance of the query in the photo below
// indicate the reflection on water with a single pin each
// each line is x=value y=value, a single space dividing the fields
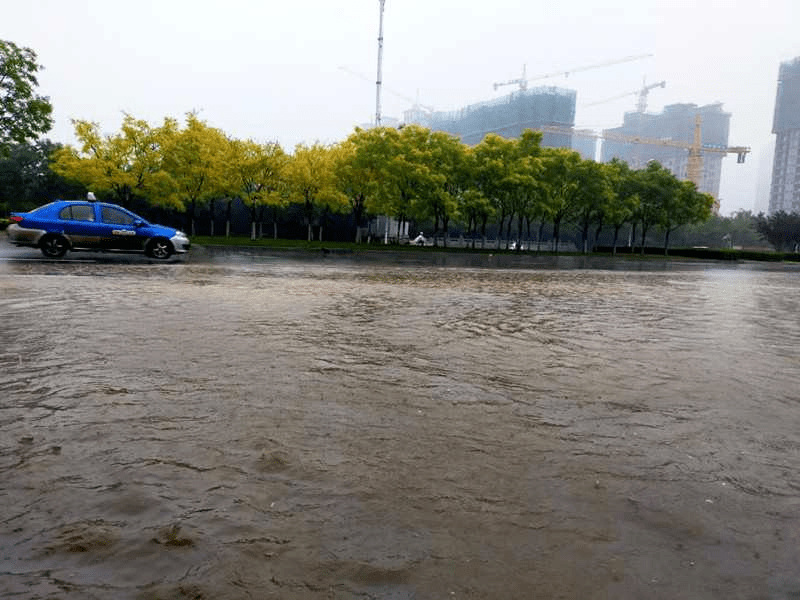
x=342 y=426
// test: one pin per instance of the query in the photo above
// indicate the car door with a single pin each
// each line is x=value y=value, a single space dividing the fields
x=119 y=229
x=79 y=224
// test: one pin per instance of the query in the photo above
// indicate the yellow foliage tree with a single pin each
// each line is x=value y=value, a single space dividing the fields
x=122 y=165
x=312 y=182
x=194 y=159
x=255 y=173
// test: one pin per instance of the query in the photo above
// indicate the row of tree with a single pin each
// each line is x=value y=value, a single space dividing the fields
x=780 y=229
x=410 y=173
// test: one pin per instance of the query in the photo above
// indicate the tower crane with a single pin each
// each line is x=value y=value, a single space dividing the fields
x=415 y=102
x=641 y=103
x=695 y=148
x=523 y=81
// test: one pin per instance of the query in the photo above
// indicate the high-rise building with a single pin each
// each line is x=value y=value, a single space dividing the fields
x=785 y=188
x=677 y=123
x=507 y=116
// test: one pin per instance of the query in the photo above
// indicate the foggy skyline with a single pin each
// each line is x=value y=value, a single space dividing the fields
x=273 y=71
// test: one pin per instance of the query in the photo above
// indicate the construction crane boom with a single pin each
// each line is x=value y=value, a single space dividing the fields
x=695 y=148
x=641 y=103
x=524 y=80
x=415 y=102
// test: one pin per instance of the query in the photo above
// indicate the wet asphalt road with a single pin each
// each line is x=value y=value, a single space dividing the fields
x=275 y=425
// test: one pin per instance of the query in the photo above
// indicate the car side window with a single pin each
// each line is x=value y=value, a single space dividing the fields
x=115 y=216
x=77 y=212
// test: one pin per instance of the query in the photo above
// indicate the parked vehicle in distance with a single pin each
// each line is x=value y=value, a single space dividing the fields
x=66 y=225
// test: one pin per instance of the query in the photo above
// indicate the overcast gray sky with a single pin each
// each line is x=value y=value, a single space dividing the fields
x=272 y=70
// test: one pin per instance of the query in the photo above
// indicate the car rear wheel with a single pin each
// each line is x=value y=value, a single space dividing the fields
x=159 y=248
x=54 y=246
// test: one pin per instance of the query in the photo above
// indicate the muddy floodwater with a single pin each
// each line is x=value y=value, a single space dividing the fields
x=252 y=425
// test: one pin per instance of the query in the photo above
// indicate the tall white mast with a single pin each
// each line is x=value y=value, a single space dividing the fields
x=380 y=68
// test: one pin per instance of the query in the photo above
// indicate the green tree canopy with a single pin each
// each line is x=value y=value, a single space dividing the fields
x=492 y=162
x=684 y=206
x=24 y=115
x=625 y=197
x=448 y=161
x=656 y=185
x=398 y=168
x=593 y=196
x=562 y=180
x=27 y=181
x=355 y=178
x=780 y=229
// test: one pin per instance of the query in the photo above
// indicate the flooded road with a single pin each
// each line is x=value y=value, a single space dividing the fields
x=246 y=425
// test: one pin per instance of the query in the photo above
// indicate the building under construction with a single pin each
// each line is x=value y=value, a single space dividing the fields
x=785 y=189
x=507 y=116
x=676 y=123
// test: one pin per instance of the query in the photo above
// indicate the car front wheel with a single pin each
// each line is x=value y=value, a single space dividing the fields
x=54 y=246
x=159 y=248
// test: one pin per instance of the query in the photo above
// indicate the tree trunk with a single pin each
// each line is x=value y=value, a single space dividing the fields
x=644 y=237
x=358 y=212
x=212 y=217
x=528 y=229
x=191 y=217
x=253 y=221
x=556 y=234
x=309 y=208
x=473 y=227
x=541 y=233
x=597 y=234
x=508 y=230
x=585 y=237
x=500 y=230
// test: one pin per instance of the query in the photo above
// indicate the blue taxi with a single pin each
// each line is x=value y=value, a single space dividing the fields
x=66 y=225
